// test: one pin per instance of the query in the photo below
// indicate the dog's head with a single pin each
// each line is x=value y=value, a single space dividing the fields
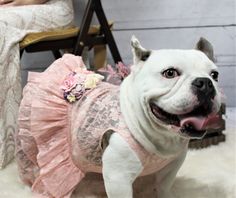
x=177 y=88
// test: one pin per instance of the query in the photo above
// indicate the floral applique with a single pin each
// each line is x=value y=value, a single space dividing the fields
x=76 y=84
x=115 y=75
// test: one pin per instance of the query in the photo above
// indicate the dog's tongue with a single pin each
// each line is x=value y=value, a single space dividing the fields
x=202 y=123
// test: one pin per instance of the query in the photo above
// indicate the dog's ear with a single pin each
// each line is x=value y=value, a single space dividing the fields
x=139 y=53
x=206 y=47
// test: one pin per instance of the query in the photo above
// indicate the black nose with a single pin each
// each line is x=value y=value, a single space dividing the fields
x=204 y=89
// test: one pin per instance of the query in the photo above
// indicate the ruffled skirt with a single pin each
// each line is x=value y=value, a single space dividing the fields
x=43 y=142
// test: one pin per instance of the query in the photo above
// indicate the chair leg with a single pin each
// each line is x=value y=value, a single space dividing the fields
x=56 y=54
x=21 y=53
x=84 y=28
x=96 y=6
x=107 y=32
x=100 y=56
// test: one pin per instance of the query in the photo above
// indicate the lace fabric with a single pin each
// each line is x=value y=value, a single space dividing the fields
x=15 y=23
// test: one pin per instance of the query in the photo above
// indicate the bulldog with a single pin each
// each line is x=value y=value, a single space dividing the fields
x=139 y=128
x=169 y=97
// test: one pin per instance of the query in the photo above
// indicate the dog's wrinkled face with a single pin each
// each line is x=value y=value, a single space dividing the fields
x=178 y=87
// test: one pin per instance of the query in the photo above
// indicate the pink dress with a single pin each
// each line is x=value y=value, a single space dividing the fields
x=58 y=141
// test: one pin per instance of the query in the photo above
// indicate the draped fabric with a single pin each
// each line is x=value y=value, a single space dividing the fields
x=15 y=23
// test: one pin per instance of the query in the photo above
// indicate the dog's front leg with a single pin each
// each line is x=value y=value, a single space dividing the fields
x=167 y=176
x=121 y=167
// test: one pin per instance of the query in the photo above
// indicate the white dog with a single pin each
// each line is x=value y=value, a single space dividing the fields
x=140 y=128
x=165 y=101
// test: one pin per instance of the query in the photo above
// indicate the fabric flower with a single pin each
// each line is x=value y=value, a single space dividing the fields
x=110 y=74
x=78 y=91
x=80 y=78
x=76 y=84
x=92 y=80
x=69 y=83
x=115 y=75
x=111 y=70
x=122 y=70
x=71 y=98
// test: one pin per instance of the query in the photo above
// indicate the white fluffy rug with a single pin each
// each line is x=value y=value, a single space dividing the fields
x=206 y=173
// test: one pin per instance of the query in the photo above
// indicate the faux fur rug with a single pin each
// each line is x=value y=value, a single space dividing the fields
x=206 y=173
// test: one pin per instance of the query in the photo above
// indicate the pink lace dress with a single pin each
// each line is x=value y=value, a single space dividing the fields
x=62 y=125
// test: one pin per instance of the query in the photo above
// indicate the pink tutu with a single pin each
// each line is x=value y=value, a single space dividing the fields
x=45 y=162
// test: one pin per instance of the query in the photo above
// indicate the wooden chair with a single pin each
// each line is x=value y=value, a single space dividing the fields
x=75 y=38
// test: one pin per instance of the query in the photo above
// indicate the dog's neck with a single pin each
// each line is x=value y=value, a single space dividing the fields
x=153 y=137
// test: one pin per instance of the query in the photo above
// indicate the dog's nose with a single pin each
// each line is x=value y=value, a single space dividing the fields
x=204 y=88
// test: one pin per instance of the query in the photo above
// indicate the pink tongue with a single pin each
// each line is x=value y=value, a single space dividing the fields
x=202 y=123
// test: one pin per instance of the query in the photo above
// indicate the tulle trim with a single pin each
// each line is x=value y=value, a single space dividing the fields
x=44 y=117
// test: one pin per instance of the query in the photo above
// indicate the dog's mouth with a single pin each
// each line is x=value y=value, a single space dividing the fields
x=192 y=124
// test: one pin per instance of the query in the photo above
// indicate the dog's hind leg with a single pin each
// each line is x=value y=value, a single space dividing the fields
x=121 y=167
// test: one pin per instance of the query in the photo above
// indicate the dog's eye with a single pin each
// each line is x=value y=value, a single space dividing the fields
x=214 y=75
x=170 y=73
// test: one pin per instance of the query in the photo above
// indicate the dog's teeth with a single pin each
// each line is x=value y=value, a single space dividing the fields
x=187 y=125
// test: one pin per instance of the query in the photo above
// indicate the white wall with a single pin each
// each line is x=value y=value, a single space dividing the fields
x=171 y=24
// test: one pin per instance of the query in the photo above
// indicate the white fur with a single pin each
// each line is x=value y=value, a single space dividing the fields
x=178 y=97
x=121 y=167
x=174 y=96
x=167 y=176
